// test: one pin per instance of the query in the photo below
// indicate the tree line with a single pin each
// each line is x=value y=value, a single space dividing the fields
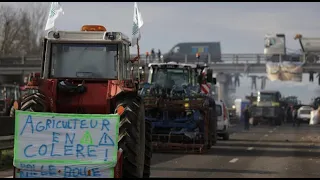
x=21 y=29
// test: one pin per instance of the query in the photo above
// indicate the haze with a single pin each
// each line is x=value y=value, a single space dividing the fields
x=240 y=27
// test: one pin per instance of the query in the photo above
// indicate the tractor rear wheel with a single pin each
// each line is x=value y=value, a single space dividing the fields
x=214 y=127
x=12 y=111
x=33 y=102
x=148 y=150
x=133 y=139
x=211 y=129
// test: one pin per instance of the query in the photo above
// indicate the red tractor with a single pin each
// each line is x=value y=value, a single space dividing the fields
x=85 y=72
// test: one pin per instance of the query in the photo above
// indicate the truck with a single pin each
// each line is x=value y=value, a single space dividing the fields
x=183 y=119
x=86 y=73
x=268 y=107
x=184 y=52
x=281 y=65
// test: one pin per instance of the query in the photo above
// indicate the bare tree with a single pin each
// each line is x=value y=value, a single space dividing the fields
x=21 y=29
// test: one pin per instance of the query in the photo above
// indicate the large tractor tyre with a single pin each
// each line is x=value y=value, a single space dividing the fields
x=214 y=126
x=210 y=129
x=148 y=150
x=12 y=111
x=132 y=138
x=33 y=102
x=278 y=121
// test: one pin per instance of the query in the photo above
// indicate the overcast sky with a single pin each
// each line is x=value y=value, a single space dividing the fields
x=240 y=27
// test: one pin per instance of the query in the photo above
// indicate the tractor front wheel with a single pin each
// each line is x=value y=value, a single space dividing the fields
x=134 y=139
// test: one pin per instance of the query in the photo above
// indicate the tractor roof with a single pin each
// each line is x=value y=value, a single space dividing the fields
x=102 y=36
x=268 y=91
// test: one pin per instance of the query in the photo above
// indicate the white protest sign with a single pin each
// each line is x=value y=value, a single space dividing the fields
x=69 y=142
x=36 y=170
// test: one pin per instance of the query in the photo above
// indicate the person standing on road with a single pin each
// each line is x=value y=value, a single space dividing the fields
x=246 y=117
x=318 y=76
x=153 y=55
x=296 y=120
x=311 y=76
x=159 y=55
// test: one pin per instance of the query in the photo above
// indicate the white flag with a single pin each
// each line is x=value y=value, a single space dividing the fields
x=137 y=24
x=55 y=10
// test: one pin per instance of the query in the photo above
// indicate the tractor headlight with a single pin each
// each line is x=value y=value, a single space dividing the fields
x=186 y=105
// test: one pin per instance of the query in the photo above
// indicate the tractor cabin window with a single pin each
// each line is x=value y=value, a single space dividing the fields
x=98 y=61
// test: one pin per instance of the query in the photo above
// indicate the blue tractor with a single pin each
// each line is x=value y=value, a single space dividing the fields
x=183 y=118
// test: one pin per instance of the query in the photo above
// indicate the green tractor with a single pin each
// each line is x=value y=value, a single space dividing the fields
x=268 y=108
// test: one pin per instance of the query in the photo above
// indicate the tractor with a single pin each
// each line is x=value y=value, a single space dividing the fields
x=268 y=107
x=86 y=72
x=24 y=91
x=183 y=119
x=9 y=94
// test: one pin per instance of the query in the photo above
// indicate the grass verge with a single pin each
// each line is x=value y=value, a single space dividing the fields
x=6 y=159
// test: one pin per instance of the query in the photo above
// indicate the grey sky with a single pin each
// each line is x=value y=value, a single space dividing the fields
x=240 y=27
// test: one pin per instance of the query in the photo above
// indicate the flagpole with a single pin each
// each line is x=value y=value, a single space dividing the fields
x=138 y=50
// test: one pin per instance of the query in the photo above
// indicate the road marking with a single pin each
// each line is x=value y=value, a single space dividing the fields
x=233 y=160
x=270 y=131
x=266 y=135
x=250 y=148
x=9 y=177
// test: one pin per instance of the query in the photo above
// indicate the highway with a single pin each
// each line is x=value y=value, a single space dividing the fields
x=262 y=152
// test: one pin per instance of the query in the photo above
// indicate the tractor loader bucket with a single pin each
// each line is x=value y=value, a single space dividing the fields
x=179 y=145
x=178 y=142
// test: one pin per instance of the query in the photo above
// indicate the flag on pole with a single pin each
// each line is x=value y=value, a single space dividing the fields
x=137 y=24
x=55 y=10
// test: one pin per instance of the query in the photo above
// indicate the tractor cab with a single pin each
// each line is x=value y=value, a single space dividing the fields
x=89 y=62
x=92 y=54
x=176 y=79
x=178 y=74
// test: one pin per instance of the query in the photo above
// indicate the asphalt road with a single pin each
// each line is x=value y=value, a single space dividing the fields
x=264 y=151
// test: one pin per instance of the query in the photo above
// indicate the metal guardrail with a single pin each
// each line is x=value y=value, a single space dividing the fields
x=6 y=142
x=35 y=61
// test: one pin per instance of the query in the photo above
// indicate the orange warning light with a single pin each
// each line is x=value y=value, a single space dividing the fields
x=93 y=28
x=298 y=36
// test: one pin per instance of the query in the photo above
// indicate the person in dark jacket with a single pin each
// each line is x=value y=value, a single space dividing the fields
x=246 y=117
x=296 y=120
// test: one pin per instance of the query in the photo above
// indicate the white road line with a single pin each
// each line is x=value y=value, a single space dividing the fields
x=266 y=135
x=250 y=148
x=9 y=177
x=270 y=131
x=233 y=160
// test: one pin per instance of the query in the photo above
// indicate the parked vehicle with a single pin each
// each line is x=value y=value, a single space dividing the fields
x=223 y=122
